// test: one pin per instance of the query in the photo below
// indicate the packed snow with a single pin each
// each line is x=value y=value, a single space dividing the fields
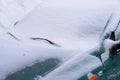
x=74 y=25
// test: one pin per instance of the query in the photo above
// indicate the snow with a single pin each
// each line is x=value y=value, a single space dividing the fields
x=74 y=68
x=12 y=11
x=75 y=25
x=65 y=25
x=19 y=55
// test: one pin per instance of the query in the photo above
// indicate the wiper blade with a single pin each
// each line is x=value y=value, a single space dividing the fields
x=13 y=36
x=112 y=36
x=106 y=25
x=46 y=40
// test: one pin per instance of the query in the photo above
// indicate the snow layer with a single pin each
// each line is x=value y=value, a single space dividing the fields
x=73 y=24
x=74 y=68
x=68 y=23
x=15 y=55
x=12 y=11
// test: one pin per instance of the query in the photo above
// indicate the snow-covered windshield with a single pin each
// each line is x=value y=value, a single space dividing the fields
x=53 y=39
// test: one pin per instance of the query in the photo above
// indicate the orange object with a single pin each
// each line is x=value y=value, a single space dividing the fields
x=93 y=77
